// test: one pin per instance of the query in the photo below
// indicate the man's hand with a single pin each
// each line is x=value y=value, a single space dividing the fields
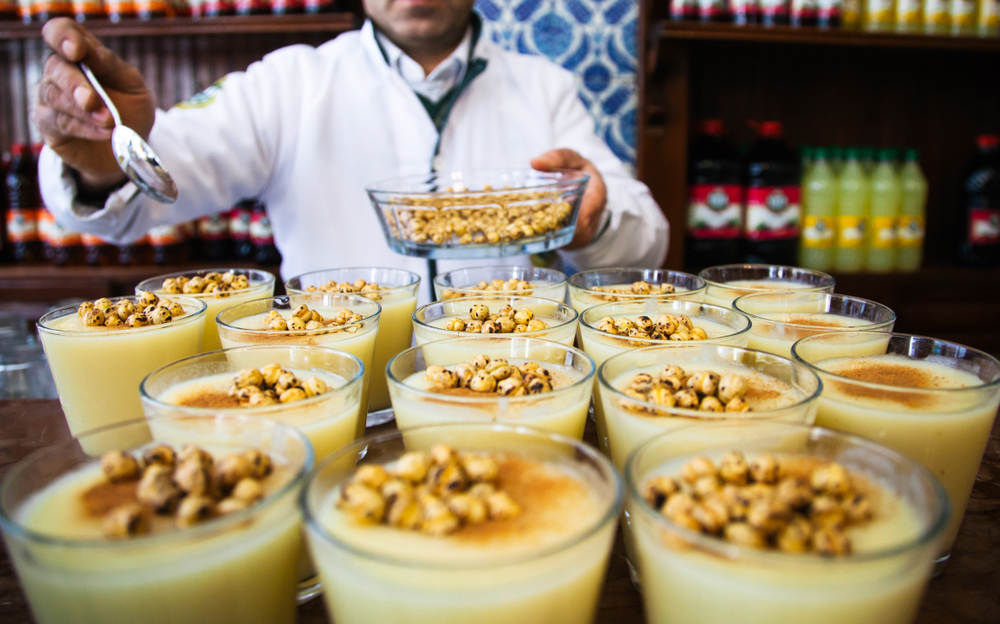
x=71 y=116
x=595 y=198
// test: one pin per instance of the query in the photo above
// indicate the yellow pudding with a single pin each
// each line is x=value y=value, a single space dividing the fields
x=523 y=281
x=97 y=369
x=257 y=284
x=549 y=320
x=250 y=324
x=234 y=563
x=559 y=406
x=599 y=286
x=937 y=407
x=858 y=548
x=780 y=319
x=728 y=282
x=395 y=290
x=544 y=562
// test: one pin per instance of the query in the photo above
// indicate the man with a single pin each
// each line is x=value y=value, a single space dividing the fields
x=417 y=89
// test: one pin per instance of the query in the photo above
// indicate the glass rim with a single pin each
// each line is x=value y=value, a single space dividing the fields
x=832 y=282
x=984 y=386
x=713 y=545
x=438 y=279
x=42 y=324
x=311 y=521
x=652 y=342
x=511 y=338
x=558 y=179
x=414 y=281
x=821 y=295
x=250 y=273
x=14 y=528
x=301 y=332
x=697 y=415
x=145 y=396
x=511 y=299
x=694 y=291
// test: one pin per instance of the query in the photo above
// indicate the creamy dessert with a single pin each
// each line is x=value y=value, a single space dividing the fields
x=218 y=288
x=551 y=393
x=162 y=533
x=590 y=288
x=516 y=527
x=344 y=322
x=772 y=537
x=529 y=317
x=934 y=409
x=395 y=290
x=100 y=351
x=515 y=280
x=729 y=282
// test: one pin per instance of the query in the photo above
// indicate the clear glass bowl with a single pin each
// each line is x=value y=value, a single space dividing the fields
x=731 y=281
x=419 y=213
x=584 y=293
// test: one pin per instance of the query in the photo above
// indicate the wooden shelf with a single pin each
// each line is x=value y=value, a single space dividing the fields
x=693 y=31
x=255 y=24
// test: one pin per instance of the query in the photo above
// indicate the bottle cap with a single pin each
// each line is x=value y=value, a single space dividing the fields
x=911 y=154
x=712 y=127
x=18 y=149
x=987 y=141
x=853 y=153
x=819 y=152
x=770 y=129
x=887 y=155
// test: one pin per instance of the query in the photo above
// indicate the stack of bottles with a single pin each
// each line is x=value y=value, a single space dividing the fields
x=862 y=215
x=116 y=10
x=33 y=235
x=956 y=17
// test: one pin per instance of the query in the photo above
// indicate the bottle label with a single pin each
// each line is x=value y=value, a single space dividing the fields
x=22 y=225
x=878 y=12
x=963 y=12
x=715 y=211
x=8 y=8
x=936 y=12
x=53 y=234
x=852 y=12
x=989 y=14
x=883 y=232
x=828 y=9
x=910 y=232
x=239 y=224
x=152 y=7
x=52 y=7
x=984 y=226
x=708 y=9
x=805 y=9
x=773 y=212
x=850 y=232
x=291 y=6
x=164 y=235
x=260 y=229
x=215 y=227
x=743 y=9
x=89 y=240
x=251 y=6
x=679 y=9
x=818 y=232
x=907 y=12
x=90 y=8
x=119 y=7
x=774 y=8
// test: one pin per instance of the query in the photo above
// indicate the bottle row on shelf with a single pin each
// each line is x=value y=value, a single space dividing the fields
x=116 y=10
x=957 y=17
x=33 y=235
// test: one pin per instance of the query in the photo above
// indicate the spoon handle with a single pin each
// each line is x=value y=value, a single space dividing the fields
x=101 y=92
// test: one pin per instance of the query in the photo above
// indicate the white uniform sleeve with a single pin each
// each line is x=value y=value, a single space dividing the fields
x=218 y=150
x=637 y=233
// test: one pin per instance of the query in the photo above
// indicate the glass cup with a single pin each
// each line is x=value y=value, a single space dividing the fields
x=430 y=320
x=397 y=294
x=563 y=411
x=694 y=578
x=945 y=429
x=237 y=569
x=261 y=285
x=583 y=286
x=723 y=326
x=242 y=325
x=780 y=389
x=545 y=283
x=779 y=319
x=98 y=371
x=731 y=281
x=379 y=574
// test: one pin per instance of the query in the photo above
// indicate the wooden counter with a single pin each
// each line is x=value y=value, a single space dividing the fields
x=968 y=592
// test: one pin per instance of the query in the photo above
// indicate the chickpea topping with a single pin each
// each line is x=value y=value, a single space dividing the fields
x=807 y=510
x=232 y=469
x=160 y=454
x=271 y=385
x=127 y=520
x=94 y=318
x=359 y=286
x=507 y=321
x=248 y=490
x=666 y=327
x=513 y=284
x=195 y=509
x=118 y=466
x=157 y=490
x=636 y=290
x=487 y=376
x=304 y=319
x=673 y=387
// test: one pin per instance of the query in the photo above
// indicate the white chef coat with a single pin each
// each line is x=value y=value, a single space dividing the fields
x=305 y=129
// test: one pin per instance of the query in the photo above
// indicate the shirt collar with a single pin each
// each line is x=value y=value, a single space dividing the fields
x=442 y=78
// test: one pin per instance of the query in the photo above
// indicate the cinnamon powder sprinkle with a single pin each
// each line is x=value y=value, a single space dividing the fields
x=812 y=321
x=99 y=500
x=209 y=399
x=899 y=375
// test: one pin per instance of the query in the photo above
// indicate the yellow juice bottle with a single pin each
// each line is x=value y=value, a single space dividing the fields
x=878 y=15
x=912 y=207
x=852 y=215
x=885 y=192
x=988 y=18
x=819 y=189
x=963 y=17
x=937 y=16
x=909 y=16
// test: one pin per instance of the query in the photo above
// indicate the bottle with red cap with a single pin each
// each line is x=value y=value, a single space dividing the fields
x=772 y=196
x=981 y=198
x=23 y=202
x=239 y=229
x=265 y=251
x=715 y=199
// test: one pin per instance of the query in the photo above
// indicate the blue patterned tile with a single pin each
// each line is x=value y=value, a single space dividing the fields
x=595 y=39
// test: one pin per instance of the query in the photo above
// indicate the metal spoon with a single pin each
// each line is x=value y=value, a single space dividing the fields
x=135 y=157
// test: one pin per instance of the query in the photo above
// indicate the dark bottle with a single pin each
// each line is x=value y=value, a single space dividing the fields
x=86 y=10
x=804 y=13
x=23 y=202
x=773 y=212
x=264 y=251
x=239 y=229
x=715 y=199
x=744 y=12
x=9 y=10
x=774 y=12
x=713 y=11
x=117 y=10
x=680 y=10
x=4 y=169
x=168 y=245
x=135 y=253
x=62 y=247
x=44 y=10
x=981 y=199
x=96 y=251
x=150 y=9
x=320 y=6
x=828 y=13
x=217 y=8
x=213 y=236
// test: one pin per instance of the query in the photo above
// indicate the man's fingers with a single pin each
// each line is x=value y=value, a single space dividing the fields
x=59 y=124
x=563 y=158
x=73 y=43
x=80 y=99
x=66 y=37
